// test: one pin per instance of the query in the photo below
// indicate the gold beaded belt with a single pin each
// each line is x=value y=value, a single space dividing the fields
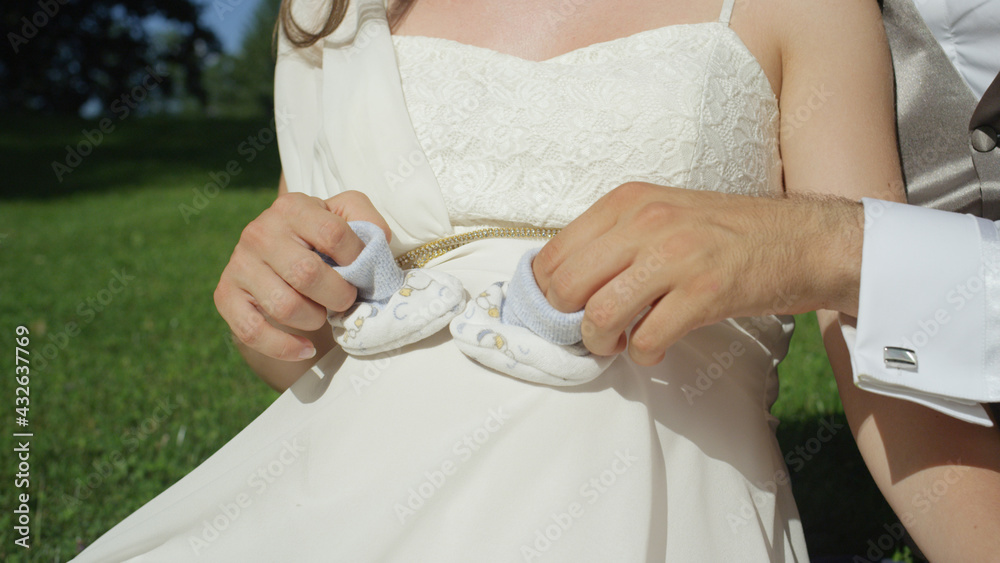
x=421 y=255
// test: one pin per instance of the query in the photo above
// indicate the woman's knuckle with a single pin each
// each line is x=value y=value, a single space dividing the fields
x=251 y=234
x=220 y=295
x=306 y=272
x=354 y=197
x=333 y=232
x=250 y=329
x=282 y=306
x=285 y=202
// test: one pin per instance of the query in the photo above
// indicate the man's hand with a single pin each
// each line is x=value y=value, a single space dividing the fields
x=698 y=257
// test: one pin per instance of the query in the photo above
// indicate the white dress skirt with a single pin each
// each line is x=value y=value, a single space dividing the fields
x=421 y=454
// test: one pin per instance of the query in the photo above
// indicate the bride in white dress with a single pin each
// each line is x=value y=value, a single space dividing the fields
x=421 y=454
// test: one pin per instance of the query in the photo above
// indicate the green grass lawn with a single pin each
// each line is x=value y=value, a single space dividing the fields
x=134 y=379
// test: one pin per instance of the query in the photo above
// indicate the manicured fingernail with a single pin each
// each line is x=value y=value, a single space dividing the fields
x=307 y=353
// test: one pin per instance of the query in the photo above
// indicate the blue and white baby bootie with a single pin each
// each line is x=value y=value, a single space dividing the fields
x=512 y=328
x=394 y=307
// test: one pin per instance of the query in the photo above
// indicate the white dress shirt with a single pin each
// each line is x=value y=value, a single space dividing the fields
x=930 y=280
x=969 y=33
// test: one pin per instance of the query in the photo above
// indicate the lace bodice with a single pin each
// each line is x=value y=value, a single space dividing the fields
x=519 y=141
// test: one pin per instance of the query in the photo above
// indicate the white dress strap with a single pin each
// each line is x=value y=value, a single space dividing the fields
x=361 y=147
x=727 y=11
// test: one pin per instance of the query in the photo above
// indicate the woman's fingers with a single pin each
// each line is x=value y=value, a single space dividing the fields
x=315 y=284
x=277 y=246
x=355 y=206
x=254 y=330
x=315 y=226
x=271 y=290
x=276 y=279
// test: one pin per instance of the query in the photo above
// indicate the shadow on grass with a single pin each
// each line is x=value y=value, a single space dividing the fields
x=51 y=157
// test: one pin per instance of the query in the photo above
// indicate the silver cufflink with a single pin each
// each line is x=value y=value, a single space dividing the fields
x=900 y=358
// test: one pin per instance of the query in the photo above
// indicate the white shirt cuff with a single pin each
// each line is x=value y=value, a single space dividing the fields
x=926 y=280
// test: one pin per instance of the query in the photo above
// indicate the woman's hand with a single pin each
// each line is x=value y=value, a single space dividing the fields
x=275 y=283
x=697 y=257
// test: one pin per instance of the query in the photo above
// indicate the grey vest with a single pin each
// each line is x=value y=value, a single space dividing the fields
x=949 y=162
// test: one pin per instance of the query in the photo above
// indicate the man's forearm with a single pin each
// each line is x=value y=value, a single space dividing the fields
x=827 y=234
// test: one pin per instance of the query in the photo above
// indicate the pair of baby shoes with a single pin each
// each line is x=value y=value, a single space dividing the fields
x=509 y=327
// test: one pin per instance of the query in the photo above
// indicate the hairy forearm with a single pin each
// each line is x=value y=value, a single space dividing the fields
x=940 y=475
x=805 y=246
x=826 y=234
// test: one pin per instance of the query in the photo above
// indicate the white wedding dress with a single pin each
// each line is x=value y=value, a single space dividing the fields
x=423 y=455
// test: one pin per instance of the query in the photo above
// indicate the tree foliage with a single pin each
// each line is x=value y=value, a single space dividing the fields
x=243 y=84
x=61 y=54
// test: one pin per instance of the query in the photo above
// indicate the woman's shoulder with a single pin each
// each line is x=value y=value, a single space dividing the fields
x=799 y=23
x=787 y=36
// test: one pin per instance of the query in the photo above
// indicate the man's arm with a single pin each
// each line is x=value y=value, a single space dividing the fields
x=848 y=149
